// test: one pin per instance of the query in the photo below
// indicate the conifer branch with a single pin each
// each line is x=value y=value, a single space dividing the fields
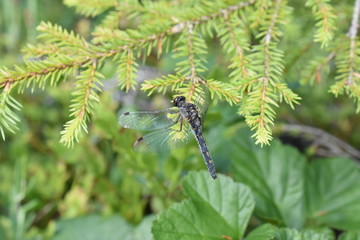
x=41 y=50
x=127 y=71
x=125 y=9
x=196 y=17
x=74 y=52
x=145 y=36
x=39 y=72
x=158 y=11
x=223 y=90
x=289 y=96
x=85 y=97
x=187 y=86
x=8 y=117
x=246 y=85
x=235 y=40
x=116 y=41
x=191 y=46
x=103 y=35
x=261 y=7
x=162 y=84
x=355 y=95
x=264 y=85
x=112 y=19
x=54 y=34
x=191 y=90
x=91 y=8
x=348 y=63
x=325 y=20
x=352 y=34
x=265 y=115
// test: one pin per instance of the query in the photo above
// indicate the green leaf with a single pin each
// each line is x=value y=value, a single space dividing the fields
x=333 y=193
x=208 y=214
x=264 y=232
x=275 y=175
x=92 y=228
x=188 y=221
x=318 y=234
x=350 y=236
x=203 y=190
x=290 y=192
x=293 y=234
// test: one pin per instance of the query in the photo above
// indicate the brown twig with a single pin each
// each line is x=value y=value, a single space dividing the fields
x=327 y=144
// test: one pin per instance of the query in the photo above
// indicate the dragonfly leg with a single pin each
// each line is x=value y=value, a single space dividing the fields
x=181 y=124
x=176 y=120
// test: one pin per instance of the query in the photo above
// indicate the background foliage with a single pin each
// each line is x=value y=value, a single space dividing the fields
x=100 y=188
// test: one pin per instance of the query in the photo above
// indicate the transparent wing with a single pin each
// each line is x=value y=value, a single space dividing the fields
x=150 y=120
x=164 y=139
x=201 y=100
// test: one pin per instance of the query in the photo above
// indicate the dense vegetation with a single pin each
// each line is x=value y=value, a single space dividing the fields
x=273 y=68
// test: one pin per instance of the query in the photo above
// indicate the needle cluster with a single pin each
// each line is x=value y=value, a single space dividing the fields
x=249 y=32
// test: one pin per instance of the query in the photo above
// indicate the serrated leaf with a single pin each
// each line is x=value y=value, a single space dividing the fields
x=275 y=175
x=208 y=214
x=264 y=232
x=238 y=197
x=333 y=193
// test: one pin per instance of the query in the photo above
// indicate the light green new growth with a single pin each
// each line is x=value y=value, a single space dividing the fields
x=85 y=96
x=127 y=70
x=250 y=33
x=325 y=21
x=91 y=8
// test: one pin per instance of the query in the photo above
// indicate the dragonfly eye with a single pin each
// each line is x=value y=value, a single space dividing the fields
x=178 y=100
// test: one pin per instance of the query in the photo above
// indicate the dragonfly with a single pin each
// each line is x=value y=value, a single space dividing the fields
x=171 y=127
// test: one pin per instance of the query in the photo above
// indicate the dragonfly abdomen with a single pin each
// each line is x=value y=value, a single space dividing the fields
x=205 y=152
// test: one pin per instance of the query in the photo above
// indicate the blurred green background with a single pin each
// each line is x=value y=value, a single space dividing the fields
x=42 y=181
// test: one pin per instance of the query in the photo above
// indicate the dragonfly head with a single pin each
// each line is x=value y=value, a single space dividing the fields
x=179 y=101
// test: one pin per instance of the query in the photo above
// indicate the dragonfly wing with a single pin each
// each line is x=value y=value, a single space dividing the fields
x=201 y=100
x=164 y=139
x=149 y=120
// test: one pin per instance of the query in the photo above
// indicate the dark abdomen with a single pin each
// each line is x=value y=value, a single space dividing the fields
x=205 y=152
